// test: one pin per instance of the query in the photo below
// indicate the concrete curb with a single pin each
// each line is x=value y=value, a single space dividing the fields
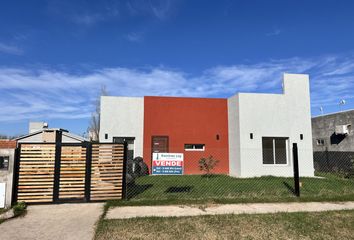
x=250 y=208
x=7 y=215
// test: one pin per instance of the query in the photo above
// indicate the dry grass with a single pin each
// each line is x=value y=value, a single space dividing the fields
x=323 y=225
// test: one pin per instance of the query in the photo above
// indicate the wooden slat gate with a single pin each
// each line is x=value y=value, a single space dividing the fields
x=46 y=172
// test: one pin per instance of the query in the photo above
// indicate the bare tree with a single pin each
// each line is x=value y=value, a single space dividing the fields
x=94 y=128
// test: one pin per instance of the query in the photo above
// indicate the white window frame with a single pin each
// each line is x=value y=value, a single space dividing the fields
x=194 y=149
x=286 y=150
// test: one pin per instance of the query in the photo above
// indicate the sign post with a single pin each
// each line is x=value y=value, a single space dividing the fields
x=167 y=164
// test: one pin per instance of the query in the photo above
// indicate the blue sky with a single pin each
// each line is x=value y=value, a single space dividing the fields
x=55 y=55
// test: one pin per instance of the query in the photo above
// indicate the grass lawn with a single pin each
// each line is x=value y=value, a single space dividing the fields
x=321 y=225
x=196 y=189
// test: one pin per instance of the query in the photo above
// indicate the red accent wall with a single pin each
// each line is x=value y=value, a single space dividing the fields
x=188 y=121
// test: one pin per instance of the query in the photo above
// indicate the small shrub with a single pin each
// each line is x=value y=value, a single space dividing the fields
x=19 y=208
x=207 y=164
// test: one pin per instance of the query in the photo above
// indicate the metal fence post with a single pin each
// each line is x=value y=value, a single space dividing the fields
x=16 y=169
x=125 y=159
x=56 y=184
x=296 y=170
x=88 y=172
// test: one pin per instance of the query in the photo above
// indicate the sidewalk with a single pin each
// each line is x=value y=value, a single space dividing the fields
x=54 y=222
x=250 y=208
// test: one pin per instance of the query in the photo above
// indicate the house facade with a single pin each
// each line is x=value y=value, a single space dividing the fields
x=250 y=134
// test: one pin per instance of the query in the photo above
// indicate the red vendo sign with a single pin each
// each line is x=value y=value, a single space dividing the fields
x=168 y=163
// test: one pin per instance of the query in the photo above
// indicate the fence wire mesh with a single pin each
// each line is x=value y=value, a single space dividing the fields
x=257 y=177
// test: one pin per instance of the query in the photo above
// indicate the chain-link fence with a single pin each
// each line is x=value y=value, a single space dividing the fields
x=254 y=175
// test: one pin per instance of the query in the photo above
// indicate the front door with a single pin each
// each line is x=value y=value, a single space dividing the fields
x=159 y=144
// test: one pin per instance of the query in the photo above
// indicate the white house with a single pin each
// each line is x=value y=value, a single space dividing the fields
x=263 y=128
x=252 y=134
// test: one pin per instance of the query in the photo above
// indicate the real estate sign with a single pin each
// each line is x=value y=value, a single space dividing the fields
x=167 y=163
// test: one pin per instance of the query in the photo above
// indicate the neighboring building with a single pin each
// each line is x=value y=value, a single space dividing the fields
x=250 y=134
x=333 y=142
x=39 y=132
x=333 y=132
x=7 y=156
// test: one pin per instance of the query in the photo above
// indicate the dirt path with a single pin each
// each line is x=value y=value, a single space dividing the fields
x=252 y=208
x=62 y=221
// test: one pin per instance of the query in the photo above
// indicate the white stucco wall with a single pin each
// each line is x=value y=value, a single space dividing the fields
x=6 y=176
x=68 y=139
x=234 y=135
x=31 y=139
x=271 y=115
x=123 y=117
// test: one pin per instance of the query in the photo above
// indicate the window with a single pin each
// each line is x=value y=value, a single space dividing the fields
x=320 y=142
x=4 y=162
x=194 y=147
x=251 y=135
x=106 y=136
x=275 y=150
x=301 y=136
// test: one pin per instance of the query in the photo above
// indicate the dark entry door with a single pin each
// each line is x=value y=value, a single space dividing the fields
x=159 y=144
x=130 y=145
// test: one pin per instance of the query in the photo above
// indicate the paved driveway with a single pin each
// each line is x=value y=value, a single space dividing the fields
x=62 y=221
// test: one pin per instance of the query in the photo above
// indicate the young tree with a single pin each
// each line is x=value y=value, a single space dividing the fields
x=207 y=164
x=94 y=127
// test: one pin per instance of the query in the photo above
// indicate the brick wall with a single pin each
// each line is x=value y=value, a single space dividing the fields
x=5 y=143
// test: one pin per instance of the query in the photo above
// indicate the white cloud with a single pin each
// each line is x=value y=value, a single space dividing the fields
x=87 y=19
x=10 y=49
x=275 y=32
x=83 y=14
x=134 y=36
x=158 y=9
x=50 y=93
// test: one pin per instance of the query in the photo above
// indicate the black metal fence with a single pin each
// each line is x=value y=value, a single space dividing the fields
x=318 y=176
x=340 y=163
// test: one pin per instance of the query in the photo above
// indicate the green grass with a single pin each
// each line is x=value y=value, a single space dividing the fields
x=196 y=189
x=321 y=225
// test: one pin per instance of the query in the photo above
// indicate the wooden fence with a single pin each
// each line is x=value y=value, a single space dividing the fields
x=64 y=172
